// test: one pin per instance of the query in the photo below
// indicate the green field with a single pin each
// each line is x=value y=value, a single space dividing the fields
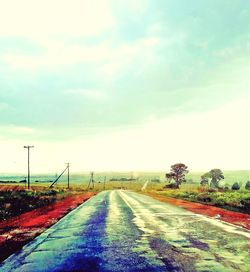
x=190 y=190
x=240 y=176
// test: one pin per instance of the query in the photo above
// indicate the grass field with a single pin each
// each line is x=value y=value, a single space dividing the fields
x=241 y=176
x=13 y=203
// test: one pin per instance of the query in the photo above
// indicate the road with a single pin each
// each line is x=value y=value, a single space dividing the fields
x=125 y=231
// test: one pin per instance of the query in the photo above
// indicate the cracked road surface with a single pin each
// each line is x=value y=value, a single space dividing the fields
x=126 y=231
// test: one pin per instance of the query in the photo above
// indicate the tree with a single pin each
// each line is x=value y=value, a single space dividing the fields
x=247 y=186
x=236 y=186
x=216 y=175
x=177 y=173
x=205 y=179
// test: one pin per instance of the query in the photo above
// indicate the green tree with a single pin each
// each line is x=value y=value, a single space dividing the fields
x=216 y=175
x=177 y=173
x=236 y=186
x=247 y=186
x=205 y=179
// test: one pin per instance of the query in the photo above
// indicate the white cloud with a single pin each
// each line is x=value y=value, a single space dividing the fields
x=111 y=61
x=4 y=106
x=11 y=130
x=219 y=138
x=22 y=130
x=57 y=55
x=89 y=93
x=129 y=56
x=137 y=7
x=44 y=18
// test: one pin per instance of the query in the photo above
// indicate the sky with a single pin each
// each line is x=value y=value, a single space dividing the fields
x=124 y=85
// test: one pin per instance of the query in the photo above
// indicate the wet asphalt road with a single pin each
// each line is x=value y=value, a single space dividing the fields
x=126 y=231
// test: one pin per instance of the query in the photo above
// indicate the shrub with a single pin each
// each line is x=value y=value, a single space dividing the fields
x=13 y=203
x=212 y=190
x=247 y=186
x=245 y=202
x=227 y=187
x=220 y=201
x=204 y=197
x=236 y=186
x=170 y=186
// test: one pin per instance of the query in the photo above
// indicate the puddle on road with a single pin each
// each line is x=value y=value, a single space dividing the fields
x=137 y=251
x=204 y=244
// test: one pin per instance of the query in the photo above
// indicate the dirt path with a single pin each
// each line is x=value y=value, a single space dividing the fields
x=19 y=230
x=235 y=218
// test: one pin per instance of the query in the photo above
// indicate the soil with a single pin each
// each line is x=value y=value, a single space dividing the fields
x=18 y=231
x=236 y=218
x=4 y=187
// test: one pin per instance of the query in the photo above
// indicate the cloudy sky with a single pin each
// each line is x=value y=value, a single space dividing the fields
x=124 y=85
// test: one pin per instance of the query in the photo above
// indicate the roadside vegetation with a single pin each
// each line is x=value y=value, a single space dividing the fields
x=232 y=200
x=14 y=202
x=210 y=191
x=230 y=190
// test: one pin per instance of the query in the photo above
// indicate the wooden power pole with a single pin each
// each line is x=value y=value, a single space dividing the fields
x=67 y=164
x=91 y=181
x=28 y=147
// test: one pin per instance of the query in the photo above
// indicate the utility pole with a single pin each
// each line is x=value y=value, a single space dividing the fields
x=28 y=147
x=104 y=183
x=67 y=168
x=91 y=181
x=67 y=164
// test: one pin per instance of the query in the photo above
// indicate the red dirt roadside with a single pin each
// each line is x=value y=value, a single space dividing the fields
x=236 y=218
x=17 y=231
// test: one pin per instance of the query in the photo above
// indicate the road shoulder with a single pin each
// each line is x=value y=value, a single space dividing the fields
x=18 y=231
x=236 y=218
